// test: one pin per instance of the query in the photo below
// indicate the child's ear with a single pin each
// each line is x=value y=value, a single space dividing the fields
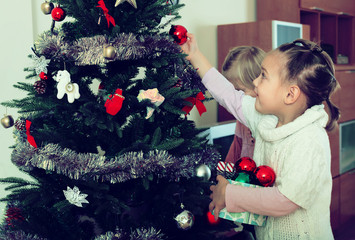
x=293 y=94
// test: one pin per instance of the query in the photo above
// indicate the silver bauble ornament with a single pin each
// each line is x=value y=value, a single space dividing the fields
x=109 y=52
x=7 y=121
x=47 y=7
x=203 y=171
x=132 y=2
x=185 y=220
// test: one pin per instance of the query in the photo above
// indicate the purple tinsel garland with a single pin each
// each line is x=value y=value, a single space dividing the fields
x=128 y=166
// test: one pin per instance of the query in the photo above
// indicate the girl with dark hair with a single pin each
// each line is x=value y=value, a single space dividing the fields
x=289 y=123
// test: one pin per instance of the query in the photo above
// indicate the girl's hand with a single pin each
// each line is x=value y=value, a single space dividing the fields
x=190 y=46
x=196 y=58
x=218 y=196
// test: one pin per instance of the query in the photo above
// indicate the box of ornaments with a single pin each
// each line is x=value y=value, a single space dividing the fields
x=245 y=173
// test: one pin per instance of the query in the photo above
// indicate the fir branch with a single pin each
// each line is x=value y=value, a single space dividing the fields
x=156 y=137
x=28 y=87
x=171 y=92
x=171 y=144
x=173 y=109
x=15 y=180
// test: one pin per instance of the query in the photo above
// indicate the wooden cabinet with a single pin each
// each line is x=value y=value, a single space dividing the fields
x=334 y=148
x=335 y=205
x=289 y=10
x=334 y=32
x=251 y=33
x=347 y=202
x=332 y=23
x=338 y=6
x=346 y=79
x=279 y=10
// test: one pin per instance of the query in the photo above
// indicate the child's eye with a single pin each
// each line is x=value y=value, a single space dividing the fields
x=263 y=75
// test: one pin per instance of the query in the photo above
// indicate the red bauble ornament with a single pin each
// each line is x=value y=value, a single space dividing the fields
x=211 y=220
x=58 y=14
x=245 y=164
x=179 y=34
x=265 y=175
x=43 y=76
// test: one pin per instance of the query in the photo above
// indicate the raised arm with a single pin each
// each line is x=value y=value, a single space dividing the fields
x=219 y=87
x=195 y=56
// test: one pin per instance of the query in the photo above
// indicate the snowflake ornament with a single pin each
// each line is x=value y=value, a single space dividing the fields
x=41 y=64
x=65 y=86
x=75 y=197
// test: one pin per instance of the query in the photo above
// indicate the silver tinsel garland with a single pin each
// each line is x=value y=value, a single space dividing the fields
x=17 y=235
x=128 y=166
x=138 y=234
x=89 y=50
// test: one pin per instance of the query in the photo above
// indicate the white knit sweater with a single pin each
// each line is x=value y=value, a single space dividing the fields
x=298 y=152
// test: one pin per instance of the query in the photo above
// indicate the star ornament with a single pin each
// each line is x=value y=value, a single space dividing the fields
x=132 y=2
x=75 y=197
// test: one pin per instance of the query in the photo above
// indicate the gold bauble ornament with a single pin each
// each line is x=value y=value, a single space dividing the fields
x=7 y=121
x=47 y=7
x=109 y=52
x=132 y=2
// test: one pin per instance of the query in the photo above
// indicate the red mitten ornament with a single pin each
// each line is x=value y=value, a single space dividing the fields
x=265 y=175
x=245 y=164
x=179 y=33
x=114 y=103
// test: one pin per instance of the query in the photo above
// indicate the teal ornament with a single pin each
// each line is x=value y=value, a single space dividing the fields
x=244 y=177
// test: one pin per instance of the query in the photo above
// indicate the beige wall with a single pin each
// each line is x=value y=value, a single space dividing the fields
x=15 y=45
x=201 y=17
x=20 y=29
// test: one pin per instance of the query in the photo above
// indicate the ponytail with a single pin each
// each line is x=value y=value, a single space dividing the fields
x=334 y=115
x=314 y=71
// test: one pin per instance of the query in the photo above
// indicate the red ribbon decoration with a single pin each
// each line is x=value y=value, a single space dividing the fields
x=109 y=18
x=30 y=138
x=195 y=101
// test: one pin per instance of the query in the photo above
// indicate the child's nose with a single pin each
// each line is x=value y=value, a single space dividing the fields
x=256 y=81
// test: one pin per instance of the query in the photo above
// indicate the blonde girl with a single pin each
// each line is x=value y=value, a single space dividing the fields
x=241 y=66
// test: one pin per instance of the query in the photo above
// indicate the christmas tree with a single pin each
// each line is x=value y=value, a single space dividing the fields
x=121 y=161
